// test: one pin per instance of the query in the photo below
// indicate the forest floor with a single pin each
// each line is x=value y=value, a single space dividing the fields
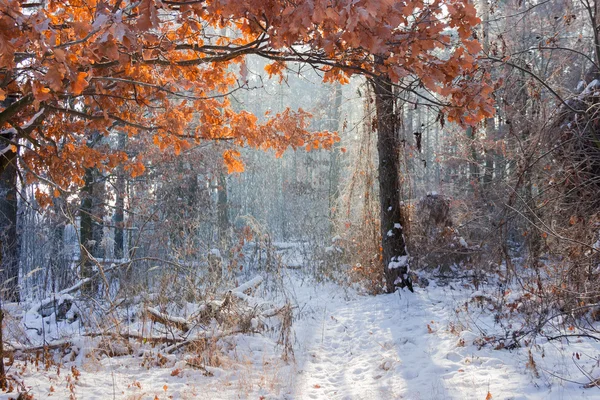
x=422 y=345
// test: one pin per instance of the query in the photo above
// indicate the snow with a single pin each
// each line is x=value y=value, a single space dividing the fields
x=292 y=255
x=254 y=282
x=405 y=347
x=33 y=119
x=8 y=133
x=398 y=262
x=590 y=89
x=347 y=346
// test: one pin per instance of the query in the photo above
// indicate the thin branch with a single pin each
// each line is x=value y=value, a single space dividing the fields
x=537 y=78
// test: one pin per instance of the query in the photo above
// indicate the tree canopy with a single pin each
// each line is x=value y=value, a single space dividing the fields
x=70 y=70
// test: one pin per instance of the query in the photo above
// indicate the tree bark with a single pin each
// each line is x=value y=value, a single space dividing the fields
x=98 y=212
x=395 y=257
x=223 y=210
x=58 y=268
x=334 y=156
x=490 y=130
x=9 y=243
x=119 y=216
x=474 y=174
x=3 y=383
x=86 y=231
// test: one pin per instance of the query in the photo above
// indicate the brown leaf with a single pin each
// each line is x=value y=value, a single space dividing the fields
x=80 y=83
x=54 y=78
x=82 y=28
x=148 y=15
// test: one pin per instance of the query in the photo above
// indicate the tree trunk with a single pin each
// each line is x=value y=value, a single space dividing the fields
x=98 y=212
x=119 y=216
x=58 y=268
x=223 y=211
x=490 y=131
x=395 y=257
x=9 y=244
x=3 y=383
x=474 y=162
x=86 y=242
x=334 y=156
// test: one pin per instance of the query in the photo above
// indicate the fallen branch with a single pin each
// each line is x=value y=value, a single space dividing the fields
x=63 y=293
x=13 y=348
x=251 y=284
x=592 y=384
x=201 y=339
x=234 y=317
x=208 y=310
x=174 y=342
x=165 y=319
x=574 y=335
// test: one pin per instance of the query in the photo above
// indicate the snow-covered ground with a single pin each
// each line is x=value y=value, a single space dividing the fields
x=347 y=346
x=411 y=347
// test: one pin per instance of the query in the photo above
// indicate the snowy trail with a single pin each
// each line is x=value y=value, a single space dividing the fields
x=372 y=347
x=391 y=347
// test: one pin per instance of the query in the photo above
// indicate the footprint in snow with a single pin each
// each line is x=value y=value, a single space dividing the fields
x=454 y=357
x=358 y=371
x=411 y=374
x=494 y=363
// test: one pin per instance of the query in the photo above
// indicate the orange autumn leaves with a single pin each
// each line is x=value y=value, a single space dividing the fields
x=232 y=161
x=89 y=67
x=428 y=40
x=86 y=68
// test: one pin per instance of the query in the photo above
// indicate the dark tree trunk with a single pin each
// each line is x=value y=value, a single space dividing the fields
x=474 y=174
x=98 y=212
x=392 y=235
x=490 y=130
x=223 y=210
x=3 y=383
x=9 y=243
x=119 y=217
x=57 y=264
x=86 y=233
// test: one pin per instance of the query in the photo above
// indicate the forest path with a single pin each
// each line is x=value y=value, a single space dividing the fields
x=377 y=348
x=414 y=346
